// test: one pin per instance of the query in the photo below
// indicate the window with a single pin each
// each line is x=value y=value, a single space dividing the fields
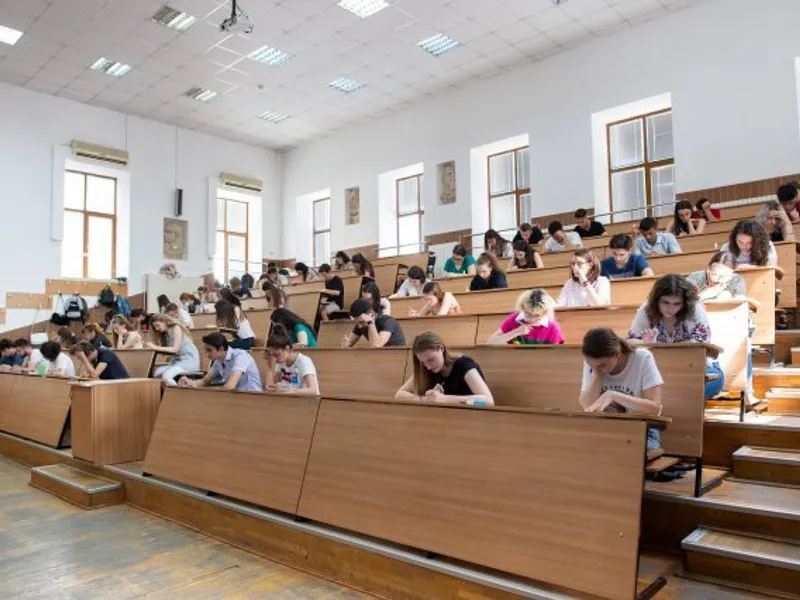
x=641 y=166
x=509 y=189
x=89 y=247
x=233 y=240
x=322 y=231
x=409 y=214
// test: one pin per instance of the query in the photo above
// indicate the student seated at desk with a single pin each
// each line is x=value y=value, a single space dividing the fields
x=788 y=196
x=334 y=284
x=138 y=319
x=774 y=219
x=125 y=336
x=585 y=286
x=412 y=286
x=381 y=305
x=288 y=370
x=65 y=337
x=460 y=263
x=529 y=233
x=623 y=264
x=190 y=303
x=306 y=273
x=488 y=275
x=239 y=290
x=179 y=314
x=618 y=378
x=363 y=267
x=719 y=281
x=379 y=329
x=25 y=353
x=93 y=333
x=57 y=363
x=341 y=262
x=300 y=333
x=441 y=378
x=533 y=322
x=8 y=355
x=272 y=276
x=673 y=313
x=231 y=316
x=275 y=296
x=524 y=257
x=437 y=302
x=652 y=242
x=751 y=246
x=175 y=338
x=496 y=245
x=683 y=222
x=100 y=363
x=559 y=240
x=231 y=368
x=585 y=226
x=703 y=210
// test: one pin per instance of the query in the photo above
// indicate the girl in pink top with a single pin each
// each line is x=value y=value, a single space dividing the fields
x=533 y=322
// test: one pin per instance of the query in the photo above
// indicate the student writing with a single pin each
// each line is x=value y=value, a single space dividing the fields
x=585 y=286
x=100 y=363
x=533 y=322
x=300 y=333
x=287 y=369
x=174 y=338
x=379 y=329
x=437 y=302
x=231 y=368
x=488 y=275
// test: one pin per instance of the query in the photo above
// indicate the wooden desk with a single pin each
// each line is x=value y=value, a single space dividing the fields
x=37 y=408
x=478 y=486
x=386 y=277
x=729 y=325
x=112 y=420
x=305 y=305
x=302 y=288
x=203 y=320
x=139 y=363
x=418 y=259
x=458 y=330
x=246 y=445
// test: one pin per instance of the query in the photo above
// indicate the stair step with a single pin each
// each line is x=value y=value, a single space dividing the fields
x=77 y=487
x=783 y=400
x=654 y=453
x=662 y=463
x=776 y=465
x=763 y=563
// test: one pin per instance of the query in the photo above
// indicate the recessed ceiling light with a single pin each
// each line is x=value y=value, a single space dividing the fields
x=363 y=8
x=200 y=93
x=346 y=85
x=174 y=19
x=273 y=116
x=270 y=56
x=9 y=36
x=110 y=67
x=438 y=44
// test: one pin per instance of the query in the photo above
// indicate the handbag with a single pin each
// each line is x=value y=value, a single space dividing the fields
x=59 y=317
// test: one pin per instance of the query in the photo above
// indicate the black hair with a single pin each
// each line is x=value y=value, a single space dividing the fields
x=554 y=226
x=647 y=224
x=360 y=307
x=529 y=262
x=279 y=337
x=372 y=289
x=162 y=300
x=491 y=234
x=672 y=285
x=325 y=268
x=272 y=270
x=620 y=241
x=581 y=213
x=171 y=307
x=226 y=314
x=22 y=343
x=699 y=204
x=416 y=273
x=787 y=192
x=460 y=250
x=759 y=254
x=362 y=265
x=342 y=255
x=287 y=318
x=50 y=350
x=227 y=295
x=678 y=224
x=216 y=340
x=302 y=269
x=5 y=344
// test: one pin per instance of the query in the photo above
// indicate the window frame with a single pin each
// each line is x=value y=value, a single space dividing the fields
x=87 y=214
x=419 y=211
x=517 y=192
x=238 y=234
x=646 y=164
x=315 y=232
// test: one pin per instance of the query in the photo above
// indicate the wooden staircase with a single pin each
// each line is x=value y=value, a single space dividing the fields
x=77 y=487
x=775 y=465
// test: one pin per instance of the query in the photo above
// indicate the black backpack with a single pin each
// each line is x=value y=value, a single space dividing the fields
x=76 y=309
x=106 y=297
x=248 y=281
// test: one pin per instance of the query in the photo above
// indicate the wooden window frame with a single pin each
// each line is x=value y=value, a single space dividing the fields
x=316 y=231
x=518 y=192
x=419 y=211
x=87 y=214
x=239 y=234
x=647 y=165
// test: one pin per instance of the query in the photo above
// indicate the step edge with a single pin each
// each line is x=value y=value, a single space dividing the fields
x=693 y=545
x=107 y=487
x=767 y=459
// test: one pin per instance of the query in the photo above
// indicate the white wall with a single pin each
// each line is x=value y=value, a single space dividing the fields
x=32 y=125
x=729 y=66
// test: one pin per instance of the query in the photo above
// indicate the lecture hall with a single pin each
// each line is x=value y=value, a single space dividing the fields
x=400 y=299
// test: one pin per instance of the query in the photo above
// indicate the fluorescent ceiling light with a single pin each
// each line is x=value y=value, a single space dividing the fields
x=273 y=116
x=200 y=93
x=363 y=8
x=174 y=19
x=110 y=67
x=9 y=36
x=346 y=85
x=270 y=56
x=438 y=44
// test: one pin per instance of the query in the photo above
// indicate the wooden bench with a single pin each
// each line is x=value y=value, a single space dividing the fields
x=457 y=329
x=36 y=408
x=302 y=288
x=496 y=487
x=112 y=420
x=246 y=445
x=138 y=363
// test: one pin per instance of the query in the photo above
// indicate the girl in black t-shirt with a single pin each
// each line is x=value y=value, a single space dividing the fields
x=441 y=378
x=489 y=276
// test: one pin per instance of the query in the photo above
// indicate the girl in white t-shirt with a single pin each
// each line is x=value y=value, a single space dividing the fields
x=231 y=316
x=58 y=363
x=585 y=286
x=617 y=378
x=750 y=244
x=288 y=371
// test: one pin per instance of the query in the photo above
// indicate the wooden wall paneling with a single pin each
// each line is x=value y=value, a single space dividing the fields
x=139 y=363
x=25 y=300
x=37 y=409
x=522 y=518
x=85 y=287
x=248 y=446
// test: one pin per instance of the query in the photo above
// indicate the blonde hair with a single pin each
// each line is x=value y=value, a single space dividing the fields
x=170 y=323
x=536 y=301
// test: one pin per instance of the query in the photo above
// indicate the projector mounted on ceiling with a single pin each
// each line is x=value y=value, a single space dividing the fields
x=238 y=22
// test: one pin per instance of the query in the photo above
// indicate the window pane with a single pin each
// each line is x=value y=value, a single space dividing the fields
x=408 y=229
x=220 y=215
x=501 y=173
x=237 y=249
x=237 y=216
x=526 y=208
x=322 y=248
x=628 y=192
x=101 y=194
x=74 y=190
x=662 y=182
x=627 y=146
x=659 y=137
x=407 y=195
x=101 y=248
x=523 y=169
x=503 y=213
x=236 y=268
x=322 y=215
x=72 y=245
x=220 y=247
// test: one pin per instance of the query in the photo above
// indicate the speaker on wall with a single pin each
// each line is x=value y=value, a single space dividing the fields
x=179 y=202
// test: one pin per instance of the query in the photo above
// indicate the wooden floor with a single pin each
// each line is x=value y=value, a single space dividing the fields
x=51 y=549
